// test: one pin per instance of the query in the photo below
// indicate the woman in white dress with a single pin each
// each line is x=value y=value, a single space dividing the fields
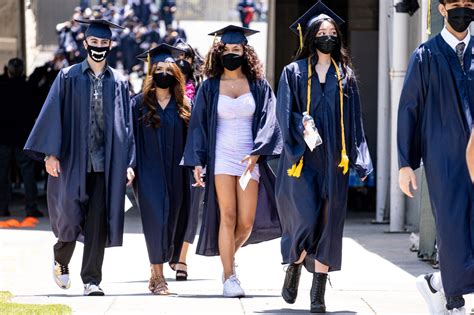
x=233 y=133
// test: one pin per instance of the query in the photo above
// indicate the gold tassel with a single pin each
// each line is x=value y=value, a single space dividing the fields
x=344 y=158
x=300 y=31
x=344 y=162
x=148 y=61
x=428 y=29
x=295 y=170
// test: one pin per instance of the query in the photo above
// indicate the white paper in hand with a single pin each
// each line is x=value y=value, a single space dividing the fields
x=311 y=137
x=128 y=204
x=244 y=180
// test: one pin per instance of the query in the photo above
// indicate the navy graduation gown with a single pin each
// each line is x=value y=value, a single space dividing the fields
x=434 y=124
x=62 y=130
x=312 y=207
x=161 y=185
x=200 y=150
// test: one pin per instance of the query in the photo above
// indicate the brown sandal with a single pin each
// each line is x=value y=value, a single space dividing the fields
x=161 y=287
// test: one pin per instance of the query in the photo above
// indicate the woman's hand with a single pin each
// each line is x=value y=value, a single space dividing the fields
x=251 y=162
x=53 y=166
x=198 y=177
x=405 y=177
x=130 y=176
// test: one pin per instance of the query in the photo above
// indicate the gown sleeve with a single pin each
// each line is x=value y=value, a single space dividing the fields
x=289 y=119
x=195 y=151
x=46 y=135
x=411 y=101
x=268 y=141
x=133 y=123
x=360 y=159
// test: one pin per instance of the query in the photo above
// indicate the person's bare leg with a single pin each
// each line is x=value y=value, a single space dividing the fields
x=246 y=209
x=302 y=257
x=226 y=197
x=160 y=283
x=182 y=258
x=320 y=268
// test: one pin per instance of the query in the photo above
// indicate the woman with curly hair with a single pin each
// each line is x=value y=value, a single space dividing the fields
x=233 y=133
x=319 y=112
x=160 y=116
x=190 y=64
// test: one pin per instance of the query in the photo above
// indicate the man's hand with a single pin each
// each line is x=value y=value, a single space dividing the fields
x=52 y=166
x=130 y=176
x=470 y=156
x=198 y=177
x=405 y=177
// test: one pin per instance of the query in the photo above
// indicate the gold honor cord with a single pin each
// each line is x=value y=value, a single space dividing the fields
x=344 y=158
x=295 y=170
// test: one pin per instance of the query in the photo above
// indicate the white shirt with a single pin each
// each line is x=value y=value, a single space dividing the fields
x=453 y=41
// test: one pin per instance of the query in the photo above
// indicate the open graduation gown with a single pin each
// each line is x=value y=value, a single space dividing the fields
x=62 y=130
x=161 y=185
x=200 y=150
x=312 y=208
x=434 y=125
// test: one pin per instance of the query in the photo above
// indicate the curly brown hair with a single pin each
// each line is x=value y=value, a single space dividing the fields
x=150 y=117
x=252 y=66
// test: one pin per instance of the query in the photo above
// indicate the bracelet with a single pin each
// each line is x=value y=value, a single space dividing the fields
x=46 y=158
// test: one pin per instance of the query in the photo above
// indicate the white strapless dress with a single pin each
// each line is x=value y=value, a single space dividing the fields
x=234 y=135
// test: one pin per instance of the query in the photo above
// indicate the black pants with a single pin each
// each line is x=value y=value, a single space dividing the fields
x=95 y=233
x=27 y=169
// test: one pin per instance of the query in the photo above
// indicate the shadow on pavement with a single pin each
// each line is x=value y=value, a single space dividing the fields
x=394 y=247
x=293 y=311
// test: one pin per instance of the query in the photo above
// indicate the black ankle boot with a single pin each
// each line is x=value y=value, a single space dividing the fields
x=292 y=280
x=318 y=289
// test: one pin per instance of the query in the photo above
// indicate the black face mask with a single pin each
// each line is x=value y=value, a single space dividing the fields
x=460 y=18
x=185 y=67
x=326 y=44
x=163 y=81
x=98 y=54
x=232 y=61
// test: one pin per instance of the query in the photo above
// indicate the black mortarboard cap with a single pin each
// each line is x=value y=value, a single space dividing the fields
x=233 y=34
x=160 y=53
x=99 y=28
x=317 y=12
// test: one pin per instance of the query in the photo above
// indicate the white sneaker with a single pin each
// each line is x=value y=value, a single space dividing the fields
x=435 y=300
x=92 y=289
x=457 y=311
x=232 y=288
x=61 y=275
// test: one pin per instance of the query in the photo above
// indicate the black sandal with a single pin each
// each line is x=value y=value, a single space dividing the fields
x=181 y=275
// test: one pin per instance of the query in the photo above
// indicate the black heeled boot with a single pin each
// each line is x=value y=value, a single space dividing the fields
x=318 y=290
x=292 y=280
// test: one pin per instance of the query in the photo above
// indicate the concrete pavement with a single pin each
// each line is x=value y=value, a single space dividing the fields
x=377 y=277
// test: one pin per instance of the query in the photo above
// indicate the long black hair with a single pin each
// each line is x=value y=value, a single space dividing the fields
x=340 y=53
x=197 y=62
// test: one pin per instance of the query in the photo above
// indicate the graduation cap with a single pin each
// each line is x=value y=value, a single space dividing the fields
x=99 y=28
x=233 y=34
x=160 y=53
x=188 y=49
x=317 y=12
